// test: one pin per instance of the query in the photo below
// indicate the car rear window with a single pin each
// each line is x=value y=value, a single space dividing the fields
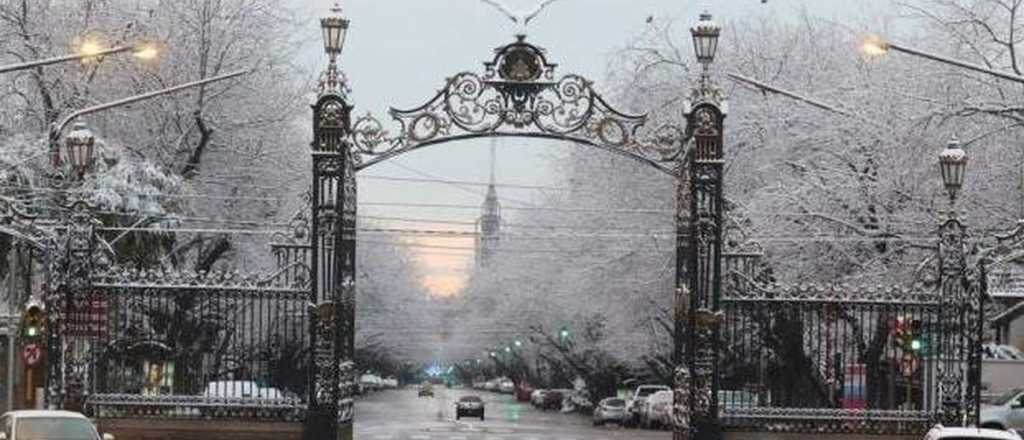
x=615 y=402
x=469 y=399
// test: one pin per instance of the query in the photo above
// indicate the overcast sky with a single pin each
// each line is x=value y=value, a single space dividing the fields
x=399 y=52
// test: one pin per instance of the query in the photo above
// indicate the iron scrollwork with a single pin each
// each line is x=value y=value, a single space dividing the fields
x=518 y=95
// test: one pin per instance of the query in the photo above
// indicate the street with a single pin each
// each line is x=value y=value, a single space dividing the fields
x=401 y=415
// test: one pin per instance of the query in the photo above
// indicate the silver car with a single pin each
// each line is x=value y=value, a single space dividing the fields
x=1006 y=412
x=612 y=409
x=47 y=424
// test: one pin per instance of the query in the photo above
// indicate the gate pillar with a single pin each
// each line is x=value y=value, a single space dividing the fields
x=703 y=271
x=332 y=297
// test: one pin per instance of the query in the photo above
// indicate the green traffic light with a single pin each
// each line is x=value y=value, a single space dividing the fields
x=915 y=345
x=32 y=331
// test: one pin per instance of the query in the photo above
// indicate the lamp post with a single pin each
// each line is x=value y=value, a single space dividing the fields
x=958 y=380
x=876 y=46
x=699 y=216
x=333 y=249
x=142 y=51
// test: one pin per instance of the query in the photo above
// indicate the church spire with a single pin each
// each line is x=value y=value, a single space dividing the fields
x=489 y=223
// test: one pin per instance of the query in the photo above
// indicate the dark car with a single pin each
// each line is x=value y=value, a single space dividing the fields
x=469 y=406
x=553 y=400
x=426 y=390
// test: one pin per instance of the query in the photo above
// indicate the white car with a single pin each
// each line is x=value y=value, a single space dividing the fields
x=506 y=386
x=1005 y=412
x=634 y=405
x=1000 y=351
x=940 y=432
x=47 y=424
x=241 y=389
x=656 y=410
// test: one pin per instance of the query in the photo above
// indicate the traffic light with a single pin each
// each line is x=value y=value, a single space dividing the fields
x=917 y=342
x=33 y=323
x=564 y=334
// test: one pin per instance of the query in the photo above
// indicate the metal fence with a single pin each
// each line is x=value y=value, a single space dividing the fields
x=189 y=345
x=832 y=359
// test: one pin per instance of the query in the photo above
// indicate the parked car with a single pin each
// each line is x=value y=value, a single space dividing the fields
x=1001 y=351
x=426 y=390
x=940 y=432
x=389 y=383
x=611 y=409
x=506 y=386
x=579 y=401
x=656 y=410
x=553 y=399
x=537 y=398
x=48 y=424
x=491 y=385
x=241 y=389
x=370 y=382
x=634 y=405
x=1005 y=411
x=469 y=406
x=523 y=392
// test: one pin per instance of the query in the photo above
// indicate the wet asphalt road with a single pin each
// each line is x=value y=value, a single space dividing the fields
x=401 y=415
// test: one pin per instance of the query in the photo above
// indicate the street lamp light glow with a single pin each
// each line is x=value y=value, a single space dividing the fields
x=874 y=46
x=519 y=343
x=146 y=52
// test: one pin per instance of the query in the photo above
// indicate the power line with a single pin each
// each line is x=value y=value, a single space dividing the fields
x=457 y=182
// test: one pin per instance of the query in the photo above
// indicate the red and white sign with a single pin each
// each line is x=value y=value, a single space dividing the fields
x=32 y=354
x=89 y=320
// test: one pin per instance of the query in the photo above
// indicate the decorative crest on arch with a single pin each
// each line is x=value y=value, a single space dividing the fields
x=518 y=95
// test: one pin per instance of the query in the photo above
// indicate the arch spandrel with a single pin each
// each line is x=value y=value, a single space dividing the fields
x=518 y=95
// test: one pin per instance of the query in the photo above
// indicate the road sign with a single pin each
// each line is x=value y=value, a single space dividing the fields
x=32 y=354
x=89 y=319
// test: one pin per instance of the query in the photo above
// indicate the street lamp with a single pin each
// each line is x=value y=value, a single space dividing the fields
x=953 y=164
x=518 y=343
x=80 y=144
x=876 y=46
x=334 y=29
x=705 y=39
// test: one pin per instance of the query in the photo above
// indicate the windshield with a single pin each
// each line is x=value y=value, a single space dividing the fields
x=644 y=392
x=615 y=402
x=470 y=399
x=54 y=428
x=1006 y=397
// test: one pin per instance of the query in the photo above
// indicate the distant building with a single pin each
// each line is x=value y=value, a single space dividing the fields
x=488 y=225
x=1005 y=313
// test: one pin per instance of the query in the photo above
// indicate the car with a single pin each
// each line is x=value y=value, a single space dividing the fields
x=426 y=390
x=537 y=398
x=469 y=406
x=553 y=399
x=634 y=405
x=48 y=424
x=656 y=410
x=241 y=389
x=491 y=385
x=1002 y=352
x=506 y=386
x=611 y=409
x=940 y=432
x=523 y=392
x=1005 y=411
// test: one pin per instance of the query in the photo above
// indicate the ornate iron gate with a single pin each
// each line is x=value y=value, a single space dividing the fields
x=190 y=345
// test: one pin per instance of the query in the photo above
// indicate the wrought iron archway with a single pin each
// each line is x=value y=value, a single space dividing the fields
x=517 y=95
